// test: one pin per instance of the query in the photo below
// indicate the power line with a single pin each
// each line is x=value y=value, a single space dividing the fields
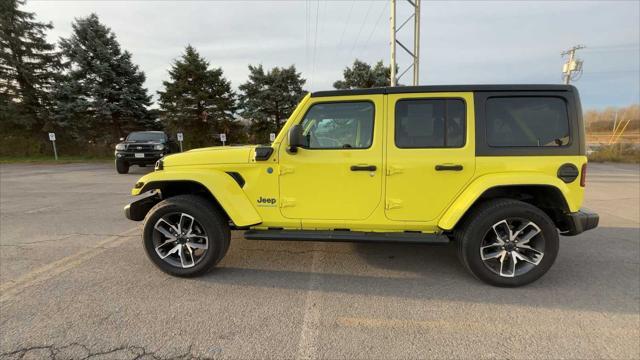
x=629 y=46
x=364 y=21
x=384 y=8
x=630 y=71
x=346 y=24
x=306 y=36
x=315 y=42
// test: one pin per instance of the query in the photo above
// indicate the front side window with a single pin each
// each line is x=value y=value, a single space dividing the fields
x=343 y=125
x=527 y=121
x=430 y=123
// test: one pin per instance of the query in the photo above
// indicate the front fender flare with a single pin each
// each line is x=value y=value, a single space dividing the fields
x=221 y=186
x=468 y=197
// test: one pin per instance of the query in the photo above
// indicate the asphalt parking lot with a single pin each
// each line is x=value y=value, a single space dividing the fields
x=75 y=283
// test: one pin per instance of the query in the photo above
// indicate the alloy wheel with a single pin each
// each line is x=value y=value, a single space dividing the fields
x=512 y=247
x=180 y=240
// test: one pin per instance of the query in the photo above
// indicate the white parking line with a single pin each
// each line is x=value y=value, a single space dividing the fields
x=46 y=272
x=311 y=320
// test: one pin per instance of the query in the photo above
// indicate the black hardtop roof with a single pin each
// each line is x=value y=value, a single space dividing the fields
x=444 y=88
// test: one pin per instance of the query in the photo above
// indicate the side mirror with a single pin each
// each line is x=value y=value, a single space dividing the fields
x=296 y=138
x=121 y=139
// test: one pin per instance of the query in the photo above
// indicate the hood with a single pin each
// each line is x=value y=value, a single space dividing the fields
x=211 y=156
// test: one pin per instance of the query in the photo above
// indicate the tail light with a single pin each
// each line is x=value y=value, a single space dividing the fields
x=583 y=175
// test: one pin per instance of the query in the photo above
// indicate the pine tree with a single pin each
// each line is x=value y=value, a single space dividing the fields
x=267 y=99
x=362 y=75
x=198 y=101
x=28 y=69
x=102 y=95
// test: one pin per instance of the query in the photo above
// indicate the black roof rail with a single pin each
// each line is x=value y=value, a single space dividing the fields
x=443 y=88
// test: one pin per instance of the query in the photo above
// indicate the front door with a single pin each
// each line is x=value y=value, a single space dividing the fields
x=430 y=153
x=337 y=175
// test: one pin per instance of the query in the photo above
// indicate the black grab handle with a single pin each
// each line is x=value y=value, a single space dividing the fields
x=363 y=168
x=448 y=167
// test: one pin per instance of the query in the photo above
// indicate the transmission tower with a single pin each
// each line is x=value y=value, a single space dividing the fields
x=415 y=54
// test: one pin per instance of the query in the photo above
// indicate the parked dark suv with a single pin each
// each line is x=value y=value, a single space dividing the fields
x=141 y=148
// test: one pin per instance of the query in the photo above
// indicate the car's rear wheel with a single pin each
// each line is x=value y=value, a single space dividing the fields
x=185 y=235
x=122 y=167
x=507 y=242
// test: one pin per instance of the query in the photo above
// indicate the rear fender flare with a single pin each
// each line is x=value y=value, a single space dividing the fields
x=474 y=191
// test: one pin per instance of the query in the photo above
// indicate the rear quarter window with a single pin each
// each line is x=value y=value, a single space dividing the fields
x=527 y=122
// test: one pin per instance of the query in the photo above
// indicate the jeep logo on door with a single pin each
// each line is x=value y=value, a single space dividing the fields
x=266 y=201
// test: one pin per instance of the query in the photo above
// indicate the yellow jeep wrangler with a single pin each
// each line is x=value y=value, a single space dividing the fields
x=498 y=169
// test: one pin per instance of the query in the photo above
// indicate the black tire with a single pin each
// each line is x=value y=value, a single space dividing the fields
x=213 y=222
x=122 y=167
x=478 y=226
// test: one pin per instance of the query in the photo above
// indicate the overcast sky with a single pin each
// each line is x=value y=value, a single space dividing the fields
x=462 y=42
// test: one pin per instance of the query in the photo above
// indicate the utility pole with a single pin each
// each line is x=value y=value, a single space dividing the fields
x=415 y=54
x=416 y=43
x=394 y=80
x=573 y=65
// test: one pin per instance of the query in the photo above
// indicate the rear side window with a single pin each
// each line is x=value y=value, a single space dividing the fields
x=429 y=123
x=527 y=121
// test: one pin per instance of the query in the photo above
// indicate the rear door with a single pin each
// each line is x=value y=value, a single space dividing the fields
x=430 y=153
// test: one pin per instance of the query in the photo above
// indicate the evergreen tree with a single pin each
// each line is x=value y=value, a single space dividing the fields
x=198 y=101
x=362 y=75
x=268 y=99
x=102 y=95
x=28 y=69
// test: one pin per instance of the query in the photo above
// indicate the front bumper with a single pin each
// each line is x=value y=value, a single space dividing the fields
x=138 y=209
x=581 y=221
x=150 y=157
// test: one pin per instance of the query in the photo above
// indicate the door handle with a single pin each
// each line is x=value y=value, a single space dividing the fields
x=449 y=167
x=363 y=168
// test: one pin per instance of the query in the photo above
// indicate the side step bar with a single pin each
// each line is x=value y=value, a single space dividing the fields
x=346 y=236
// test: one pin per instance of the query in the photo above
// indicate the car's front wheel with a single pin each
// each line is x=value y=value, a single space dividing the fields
x=185 y=235
x=122 y=167
x=507 y=242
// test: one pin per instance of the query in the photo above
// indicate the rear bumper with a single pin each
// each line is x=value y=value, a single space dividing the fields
x=581 y=221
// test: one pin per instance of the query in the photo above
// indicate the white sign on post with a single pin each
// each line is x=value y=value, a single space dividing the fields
x=272 y=137
x=180 y=137
x=52 y=138
x=223 y=138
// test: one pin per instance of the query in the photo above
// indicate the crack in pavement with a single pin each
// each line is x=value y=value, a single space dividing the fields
x=46 y=272
x=83 y=352
x=66 y=237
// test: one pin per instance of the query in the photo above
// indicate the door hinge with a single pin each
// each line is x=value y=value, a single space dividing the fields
x=393 y=204
x=286 y=170
x=287 y=202
x=391 y=169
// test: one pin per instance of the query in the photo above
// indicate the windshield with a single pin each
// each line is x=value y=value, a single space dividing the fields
x=145 y=136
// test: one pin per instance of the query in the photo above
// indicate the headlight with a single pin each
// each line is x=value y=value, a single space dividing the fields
x=159 y=147
x=120 y=147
